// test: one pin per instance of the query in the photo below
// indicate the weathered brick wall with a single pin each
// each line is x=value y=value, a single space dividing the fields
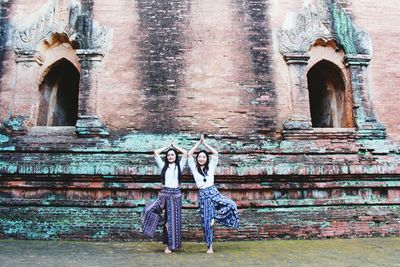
x=193 y=66
x=74 y=188
x=50 y=215
x=201 y=66
x=122 y=223
x=175 y=69
x=380 y=22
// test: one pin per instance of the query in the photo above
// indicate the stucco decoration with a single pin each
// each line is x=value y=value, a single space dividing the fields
x=57 y=17
x=327 y=21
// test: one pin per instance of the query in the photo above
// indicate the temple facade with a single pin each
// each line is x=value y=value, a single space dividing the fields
x=300 y=98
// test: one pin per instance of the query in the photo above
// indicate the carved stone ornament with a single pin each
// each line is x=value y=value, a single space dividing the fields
x=326 y=21
x=78 y=25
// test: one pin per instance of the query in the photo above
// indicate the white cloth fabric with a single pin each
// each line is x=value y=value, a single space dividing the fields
x=198 y=178
x=171 y=174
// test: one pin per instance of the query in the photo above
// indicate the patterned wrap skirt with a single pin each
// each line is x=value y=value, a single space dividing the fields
x=215 y=206
x=165 y=210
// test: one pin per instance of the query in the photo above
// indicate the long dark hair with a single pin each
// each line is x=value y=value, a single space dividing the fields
x=177 y=165
x=205 y=169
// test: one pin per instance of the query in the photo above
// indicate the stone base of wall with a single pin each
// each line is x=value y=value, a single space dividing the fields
x=54 y=185
x=84 y=223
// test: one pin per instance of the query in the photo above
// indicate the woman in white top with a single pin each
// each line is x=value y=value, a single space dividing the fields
x=169 y=199
x=213 y=207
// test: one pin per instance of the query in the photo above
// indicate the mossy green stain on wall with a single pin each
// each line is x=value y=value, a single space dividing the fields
x=343 y=29
x=51 y=223
x=105 y=223
x=8 y=168
x=15 y=124
x=3 y=138
x=235 y=164
x=31 y=229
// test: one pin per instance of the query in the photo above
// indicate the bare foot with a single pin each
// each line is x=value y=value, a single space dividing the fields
x=167 y=251
x=210 y=250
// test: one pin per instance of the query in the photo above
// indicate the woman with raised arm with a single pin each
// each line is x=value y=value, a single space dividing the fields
x=213 y=206
x=169 y=199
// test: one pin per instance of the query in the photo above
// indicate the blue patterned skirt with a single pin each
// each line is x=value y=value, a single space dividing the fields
x=169 y=202
x=215 y=206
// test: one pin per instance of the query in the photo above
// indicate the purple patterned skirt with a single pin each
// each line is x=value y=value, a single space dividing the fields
x=165 y=211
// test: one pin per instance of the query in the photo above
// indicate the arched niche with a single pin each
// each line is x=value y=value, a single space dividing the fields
x=56 y=47
x=59 y=92
x=327 y=94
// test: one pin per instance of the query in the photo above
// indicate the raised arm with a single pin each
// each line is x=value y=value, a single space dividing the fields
x=161 y=149
x=191 y=152
x=213 y=150
x=183 y=151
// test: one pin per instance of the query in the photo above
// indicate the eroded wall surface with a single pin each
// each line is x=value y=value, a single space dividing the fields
x=152 y=71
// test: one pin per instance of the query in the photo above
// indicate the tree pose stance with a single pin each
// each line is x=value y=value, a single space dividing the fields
x=166 y=210
x=213 y=206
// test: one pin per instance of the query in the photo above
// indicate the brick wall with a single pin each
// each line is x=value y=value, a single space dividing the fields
x=205 y=66
x=121 y=224
x=279 y=206
x=379 y=22
x=174 y=69
x=192 y=66
x=74 y=188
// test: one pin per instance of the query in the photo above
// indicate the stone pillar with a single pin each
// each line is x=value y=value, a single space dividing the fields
x=299 y=122
x=366 y=122
x=88 y=123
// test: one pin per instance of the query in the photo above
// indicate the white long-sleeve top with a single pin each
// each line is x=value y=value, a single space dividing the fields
x=171 y=174
x=198 y=178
